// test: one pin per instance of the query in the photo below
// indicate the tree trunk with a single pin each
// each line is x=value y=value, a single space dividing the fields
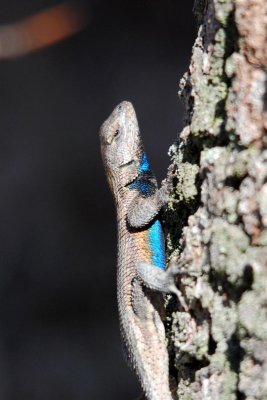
x=218 y=230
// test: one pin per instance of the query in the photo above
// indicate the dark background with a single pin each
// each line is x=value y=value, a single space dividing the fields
x=59 y=332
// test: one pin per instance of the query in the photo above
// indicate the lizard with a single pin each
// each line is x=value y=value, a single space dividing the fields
x=141 y=268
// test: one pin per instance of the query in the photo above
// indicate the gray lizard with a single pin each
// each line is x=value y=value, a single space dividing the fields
x=141 y=252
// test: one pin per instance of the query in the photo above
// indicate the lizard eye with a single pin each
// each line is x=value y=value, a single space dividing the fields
x=116 y=133
x=112 y=135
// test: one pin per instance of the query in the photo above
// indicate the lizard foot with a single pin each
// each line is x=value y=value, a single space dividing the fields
x=161 y=280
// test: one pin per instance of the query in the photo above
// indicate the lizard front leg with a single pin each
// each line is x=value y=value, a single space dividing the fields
x=160 y=280
x=143 y=209
x=140 y=214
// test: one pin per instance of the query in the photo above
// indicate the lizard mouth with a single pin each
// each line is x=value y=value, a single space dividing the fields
x=129 y=172
x=129 y=164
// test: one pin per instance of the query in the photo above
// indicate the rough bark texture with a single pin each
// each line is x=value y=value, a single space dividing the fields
x=219 y=228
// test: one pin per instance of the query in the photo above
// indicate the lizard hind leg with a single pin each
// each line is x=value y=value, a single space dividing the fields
x=160 y=280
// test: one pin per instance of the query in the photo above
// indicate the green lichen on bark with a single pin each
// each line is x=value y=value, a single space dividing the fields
x=218 y=229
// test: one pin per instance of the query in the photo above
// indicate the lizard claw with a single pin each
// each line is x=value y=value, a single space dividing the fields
x=173 y=288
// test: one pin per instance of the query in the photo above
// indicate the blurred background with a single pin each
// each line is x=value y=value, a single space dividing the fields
x=59 y=331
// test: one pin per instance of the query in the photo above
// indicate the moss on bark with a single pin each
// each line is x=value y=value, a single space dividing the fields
x=219 y=227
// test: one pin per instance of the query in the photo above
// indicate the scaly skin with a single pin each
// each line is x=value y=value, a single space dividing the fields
x=140 y=242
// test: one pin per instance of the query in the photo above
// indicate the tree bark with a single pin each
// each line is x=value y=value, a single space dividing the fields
x=218 y=230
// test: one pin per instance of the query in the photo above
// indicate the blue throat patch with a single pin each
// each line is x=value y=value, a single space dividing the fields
x=143 y=186
x=143 y=183
x=144 y=166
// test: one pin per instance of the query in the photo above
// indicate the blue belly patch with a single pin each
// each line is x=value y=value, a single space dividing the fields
x=156 y=244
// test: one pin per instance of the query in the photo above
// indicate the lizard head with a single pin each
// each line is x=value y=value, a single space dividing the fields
x=121 y=145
